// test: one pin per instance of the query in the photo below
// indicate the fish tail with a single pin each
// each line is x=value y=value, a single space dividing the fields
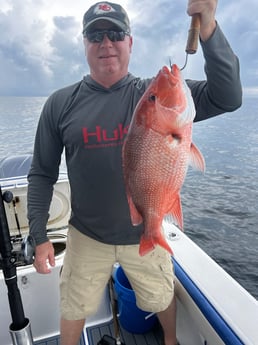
x=163 y=243
x=147 y=244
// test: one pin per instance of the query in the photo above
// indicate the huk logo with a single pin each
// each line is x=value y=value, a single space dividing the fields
x=100 y=137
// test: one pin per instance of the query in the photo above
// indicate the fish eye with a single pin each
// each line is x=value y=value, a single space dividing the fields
x=152 y=98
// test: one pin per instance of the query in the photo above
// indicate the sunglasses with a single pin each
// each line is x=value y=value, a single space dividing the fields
x=98 y=35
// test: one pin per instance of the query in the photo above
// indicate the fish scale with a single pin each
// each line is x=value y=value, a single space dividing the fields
x=156 y=154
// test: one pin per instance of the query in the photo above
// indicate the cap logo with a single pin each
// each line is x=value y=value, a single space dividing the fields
x=103 y=8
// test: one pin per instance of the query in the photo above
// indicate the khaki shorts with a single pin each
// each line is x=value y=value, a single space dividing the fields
x=88 y=265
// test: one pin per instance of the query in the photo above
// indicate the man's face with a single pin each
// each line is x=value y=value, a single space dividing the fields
x=108 y=59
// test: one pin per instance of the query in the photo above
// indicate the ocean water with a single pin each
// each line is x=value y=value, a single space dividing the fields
x=220 y=206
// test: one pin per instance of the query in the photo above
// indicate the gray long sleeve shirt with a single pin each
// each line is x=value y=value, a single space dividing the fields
x=90 y=122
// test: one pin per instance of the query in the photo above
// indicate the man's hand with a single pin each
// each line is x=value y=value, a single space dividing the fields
x=44 y=256
x=206 y=10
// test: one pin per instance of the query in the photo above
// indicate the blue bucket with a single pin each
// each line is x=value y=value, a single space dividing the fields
x=132 y=319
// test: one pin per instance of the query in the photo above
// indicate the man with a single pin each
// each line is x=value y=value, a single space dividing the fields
x=89 y=119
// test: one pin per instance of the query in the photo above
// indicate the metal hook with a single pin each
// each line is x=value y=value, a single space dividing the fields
x=186 y=59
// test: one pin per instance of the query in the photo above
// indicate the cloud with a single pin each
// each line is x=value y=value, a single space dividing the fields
x=68 y=52
x=38 y=55
x=41 y=45
x=239 y=22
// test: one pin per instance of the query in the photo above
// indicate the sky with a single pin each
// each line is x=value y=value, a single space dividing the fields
x=41 y=47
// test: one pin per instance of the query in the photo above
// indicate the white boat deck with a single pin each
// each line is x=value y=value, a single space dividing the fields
x=95 y=333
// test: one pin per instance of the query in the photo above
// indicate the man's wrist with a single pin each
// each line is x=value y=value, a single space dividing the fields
x=207 y=31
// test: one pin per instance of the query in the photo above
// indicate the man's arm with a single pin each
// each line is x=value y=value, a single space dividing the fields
x=222 y=91
x=42 y=177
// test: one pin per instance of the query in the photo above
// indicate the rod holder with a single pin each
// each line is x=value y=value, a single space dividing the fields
x=22 y=336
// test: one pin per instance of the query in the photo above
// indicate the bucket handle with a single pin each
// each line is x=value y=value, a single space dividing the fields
x=149 y=315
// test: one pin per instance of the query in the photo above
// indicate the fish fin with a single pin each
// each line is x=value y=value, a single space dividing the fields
x=136 y=217
x=148 y=244
x=176 y=212
x=196 y=158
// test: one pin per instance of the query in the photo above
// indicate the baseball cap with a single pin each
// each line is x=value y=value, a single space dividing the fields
x=108 y=11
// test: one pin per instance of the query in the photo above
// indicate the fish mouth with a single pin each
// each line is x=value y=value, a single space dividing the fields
x=174 y=70
x=168 y=87
x=166 y=70
x=173 y=75
x=173 y=95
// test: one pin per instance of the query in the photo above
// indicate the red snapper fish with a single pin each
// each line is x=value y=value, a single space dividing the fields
x=156 y=154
